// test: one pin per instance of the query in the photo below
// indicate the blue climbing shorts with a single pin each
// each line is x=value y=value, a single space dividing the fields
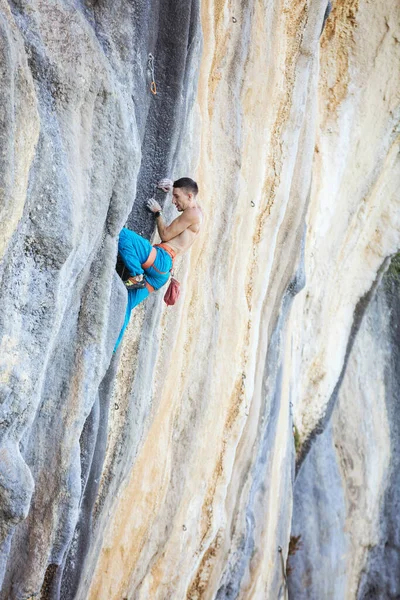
x=134 y=251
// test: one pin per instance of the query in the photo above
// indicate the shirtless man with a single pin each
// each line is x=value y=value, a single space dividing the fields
x=183 y=230
x=150 y=266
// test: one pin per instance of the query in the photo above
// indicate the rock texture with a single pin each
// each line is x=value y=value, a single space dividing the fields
x=353 y=220
x=347 y=494
x=167 y=470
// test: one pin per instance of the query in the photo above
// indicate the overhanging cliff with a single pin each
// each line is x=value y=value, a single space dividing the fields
x=167 y=470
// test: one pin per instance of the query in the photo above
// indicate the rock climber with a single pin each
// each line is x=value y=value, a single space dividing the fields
x=149 y=266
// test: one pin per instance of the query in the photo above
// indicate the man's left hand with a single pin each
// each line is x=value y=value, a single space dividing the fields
x=165 y=185
x=153 y=205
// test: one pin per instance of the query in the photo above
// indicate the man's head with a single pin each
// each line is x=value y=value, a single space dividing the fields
x=184 y=193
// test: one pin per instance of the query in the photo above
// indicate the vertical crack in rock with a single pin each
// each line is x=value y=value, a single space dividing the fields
x=175 y=48
x=176 y=63
x=93 y=441
x=380 y=577
x=57 y=287
x=244 y=530
x=239 y=564
x=346 y=494
x=359 y=312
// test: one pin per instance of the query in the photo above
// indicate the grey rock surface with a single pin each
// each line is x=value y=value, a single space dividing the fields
x=380 y=577
x=347 y=493
x=166 y=470
x=78 y=116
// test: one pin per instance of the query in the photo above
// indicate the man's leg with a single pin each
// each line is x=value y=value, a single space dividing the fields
x=134 y=298
x=157 y=277
x=134 y=250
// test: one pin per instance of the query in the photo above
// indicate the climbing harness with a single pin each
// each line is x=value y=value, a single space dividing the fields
x=167 y=249
x=150 y=65
x=150 y=259
x=173 y=291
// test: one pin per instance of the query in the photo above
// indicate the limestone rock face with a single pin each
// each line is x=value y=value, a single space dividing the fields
x=74 y=117
x=167 y=470
x=347 y=493
x=354 y=217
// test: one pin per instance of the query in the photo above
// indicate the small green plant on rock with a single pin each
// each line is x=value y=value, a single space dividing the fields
x=393 y=271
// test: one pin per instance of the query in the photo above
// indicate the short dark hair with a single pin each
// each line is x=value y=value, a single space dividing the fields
x=188 y=184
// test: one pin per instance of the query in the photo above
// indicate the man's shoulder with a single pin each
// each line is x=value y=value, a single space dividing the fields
x=194 y=214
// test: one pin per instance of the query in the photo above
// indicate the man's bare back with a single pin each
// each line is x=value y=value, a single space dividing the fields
x=181 y=233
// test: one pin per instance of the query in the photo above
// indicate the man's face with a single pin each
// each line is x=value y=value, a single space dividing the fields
x=180 y=198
